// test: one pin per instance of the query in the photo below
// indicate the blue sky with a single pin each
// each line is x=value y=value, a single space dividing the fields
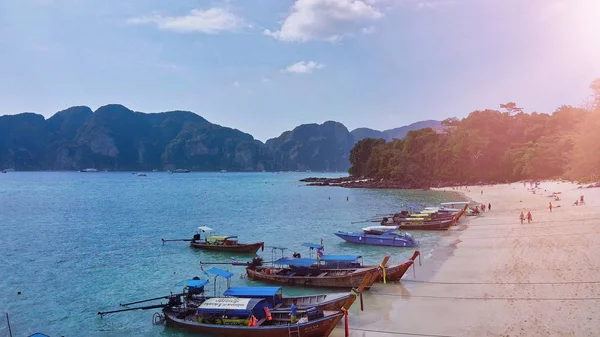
x=266 y=66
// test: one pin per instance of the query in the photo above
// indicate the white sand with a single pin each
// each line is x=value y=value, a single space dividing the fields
x=550 y=269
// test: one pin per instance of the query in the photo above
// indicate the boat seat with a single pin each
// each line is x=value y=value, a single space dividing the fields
x=322 y=274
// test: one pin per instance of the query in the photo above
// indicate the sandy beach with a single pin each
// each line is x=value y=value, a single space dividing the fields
x=502 y=278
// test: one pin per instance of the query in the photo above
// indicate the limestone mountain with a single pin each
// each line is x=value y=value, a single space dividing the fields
x=324 y=147
x=397 y=133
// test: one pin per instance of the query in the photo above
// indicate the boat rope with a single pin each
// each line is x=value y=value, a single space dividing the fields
x=496 y=298
x=501 y=283
x=400 y=333
x=527 y=236
x=525 y=227
x=471 y=225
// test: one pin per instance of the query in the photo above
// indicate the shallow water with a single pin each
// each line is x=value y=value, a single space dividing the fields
x=78 y=243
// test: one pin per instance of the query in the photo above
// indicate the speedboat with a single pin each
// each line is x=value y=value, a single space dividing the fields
x=380 y=236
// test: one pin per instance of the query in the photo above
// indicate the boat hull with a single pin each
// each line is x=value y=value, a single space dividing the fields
x=321 y=327
x=250 y=248
x=375 y=240
x=341 y=280
x=428 y=226
x=330 y=302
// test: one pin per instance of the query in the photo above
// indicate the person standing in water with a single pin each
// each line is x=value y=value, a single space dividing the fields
x=529 y=217
x=550 y=206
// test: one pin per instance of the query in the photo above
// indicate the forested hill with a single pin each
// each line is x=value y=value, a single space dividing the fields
x=489 y=146
x=117 y=138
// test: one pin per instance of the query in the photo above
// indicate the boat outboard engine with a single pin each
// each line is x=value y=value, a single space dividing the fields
x=175 y=301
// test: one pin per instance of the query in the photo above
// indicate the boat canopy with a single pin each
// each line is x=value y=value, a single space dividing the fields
x=244 y=292
x=192 y=283
x=220 y=272
x=221 y=237
x=340 y=258
x=205 y=229
x=380 y=228
x=233 y=306
x=301 y=262
x=312 y=245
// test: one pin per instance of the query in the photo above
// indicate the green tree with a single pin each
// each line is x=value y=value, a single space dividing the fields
x=360 y=153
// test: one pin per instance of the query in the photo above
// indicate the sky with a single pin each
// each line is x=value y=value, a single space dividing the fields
x=267 y=66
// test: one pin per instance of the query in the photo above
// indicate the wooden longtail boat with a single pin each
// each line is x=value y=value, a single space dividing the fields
x=429 y=225
x=220 y=317
x=274 y=296
x=220 y=243
x=299 y=274
x=393 y=272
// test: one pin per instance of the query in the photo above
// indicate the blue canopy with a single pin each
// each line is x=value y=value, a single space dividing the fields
x=234 y=306
x=252 y=291
x=192 y=283
x=296 y=262
x=312 y=245
x=340 y=258
x=220 y=272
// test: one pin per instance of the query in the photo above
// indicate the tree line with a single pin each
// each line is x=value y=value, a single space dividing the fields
x=490 y=146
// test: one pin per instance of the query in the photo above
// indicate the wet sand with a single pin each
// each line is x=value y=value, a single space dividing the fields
x=498 y=277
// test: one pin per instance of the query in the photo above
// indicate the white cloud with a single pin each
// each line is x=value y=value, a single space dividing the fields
x=236 y=84
x=210 y=21
x=324 y=20
x=368 y=30
x=303 y=67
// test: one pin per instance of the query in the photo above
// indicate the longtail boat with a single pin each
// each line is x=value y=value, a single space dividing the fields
x=423 y=224
x=380 y=236
x=299 y=273
x=247 y=317
x=274 y=295
x=220 y=243
x=325 y=261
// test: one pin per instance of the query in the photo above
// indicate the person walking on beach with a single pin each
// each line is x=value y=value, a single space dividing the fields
x=489 y=206
x=483 y=207
x=529 y=217
x=550 y=206
x=522 y=217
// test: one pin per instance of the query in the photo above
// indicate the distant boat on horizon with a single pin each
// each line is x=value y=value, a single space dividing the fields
x=181 y=171
x=223 y=171
x=89 y=170
x=8 y=170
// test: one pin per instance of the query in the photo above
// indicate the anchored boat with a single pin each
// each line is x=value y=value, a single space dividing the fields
x=380 y=236
x=247 y=317
x=299 y=272
x=221 y=243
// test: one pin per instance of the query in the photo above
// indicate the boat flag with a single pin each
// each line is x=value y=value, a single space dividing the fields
x=202 y=268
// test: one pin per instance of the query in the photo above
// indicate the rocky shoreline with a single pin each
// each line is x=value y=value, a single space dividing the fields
x=355 y=182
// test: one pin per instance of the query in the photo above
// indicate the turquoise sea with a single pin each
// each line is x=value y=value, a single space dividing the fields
x=77 y=243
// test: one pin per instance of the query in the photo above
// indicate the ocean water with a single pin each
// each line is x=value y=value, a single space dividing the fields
x=77 y=243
